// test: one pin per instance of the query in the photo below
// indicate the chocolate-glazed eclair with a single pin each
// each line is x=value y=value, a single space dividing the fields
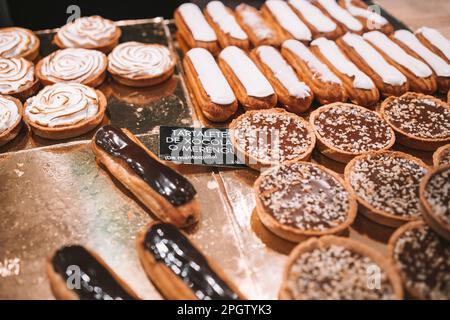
x=169 y=195
x=76 y=273
x=179 y=269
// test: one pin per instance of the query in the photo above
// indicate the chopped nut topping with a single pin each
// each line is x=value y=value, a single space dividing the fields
x=353 y=129
x=337 y=273
x=424 y=259
x=389 y=182
x=303 y=196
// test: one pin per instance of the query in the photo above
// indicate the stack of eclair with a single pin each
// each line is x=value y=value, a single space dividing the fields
x=290 y=52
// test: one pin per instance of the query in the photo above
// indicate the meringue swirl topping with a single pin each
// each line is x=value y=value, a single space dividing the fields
x=73 y=65
x=15 y=42
x=15 y=74
x=62 y=104
x=87 y=32
x=137 y=60
x=9 y=114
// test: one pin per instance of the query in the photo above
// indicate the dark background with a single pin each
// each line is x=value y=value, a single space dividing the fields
x=45 y=14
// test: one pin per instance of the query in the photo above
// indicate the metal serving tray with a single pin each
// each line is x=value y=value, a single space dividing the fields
x=53 y=193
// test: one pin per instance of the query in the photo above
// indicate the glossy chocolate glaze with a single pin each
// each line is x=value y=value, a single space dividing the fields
x=168 y=183
x=95 y=281
x=170 y=247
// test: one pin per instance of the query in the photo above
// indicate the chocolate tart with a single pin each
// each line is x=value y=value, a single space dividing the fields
x=298 y=200
x=386 y=185
x=442 y=156
x=179 y=269
x=422 y=258
x=11 y=112
x=420 y=122
x=264 y=138
x=345 y=131
x=77 y=273
x=335 y=268
x=435 y=199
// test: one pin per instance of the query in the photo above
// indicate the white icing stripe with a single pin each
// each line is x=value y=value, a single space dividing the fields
x=438 y=64
x=396 y=53
x=63 y=104
x=252 y=18
x=313 y=15
x=196 y=22
x=436 y=39
x=9 y=114
x=375 y=60
x=319 y=69
x=87 y=32
x=341 y=15
x=288 y=19
x=334 y=55
x=211 y=77
x=371 y=16
x=283 y=72
x=246 y=71
x=225 y=20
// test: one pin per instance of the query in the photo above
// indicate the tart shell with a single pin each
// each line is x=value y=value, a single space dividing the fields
x=349 y=244
x=67 y=132
x=13 y=131
x=297 y=235
x=377 y=215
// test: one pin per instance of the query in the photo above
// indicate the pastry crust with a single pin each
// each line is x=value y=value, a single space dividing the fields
x=273 y=40
x=417 y=143
x=295 y=234
x=324 y=92
x=443 y=83
x=212 y=111
x=331 y=151
x=188 y=38
x=358 y=96
x=67 y=132
x=182 y=216
x=248 y=102
x=32 y=53
x=59 y=285
x=168 y=283
x=433 y=220
x=385 y=28
x=291 y=103
x=283 y=34
x=226 y=39
x=422 y=85
x=259 y=164
x=412 y=292
x=13 y=131
x=385 y=89
x=438 y=155
x=377 y=215
x=94 y=81
x=332 y=35
x=105 y=48
x=352 y=245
